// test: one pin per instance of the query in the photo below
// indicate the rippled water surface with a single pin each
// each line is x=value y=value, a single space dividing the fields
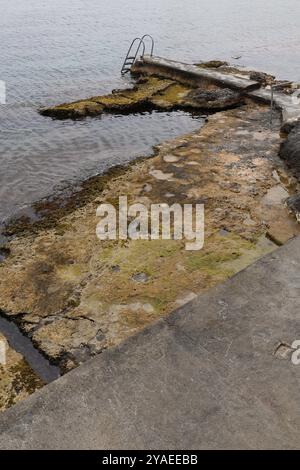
x=61 y=50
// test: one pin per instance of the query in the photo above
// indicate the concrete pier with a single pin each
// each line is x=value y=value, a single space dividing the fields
x=217 y=374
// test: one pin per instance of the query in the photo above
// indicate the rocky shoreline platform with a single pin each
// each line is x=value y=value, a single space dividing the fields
x=75 y=296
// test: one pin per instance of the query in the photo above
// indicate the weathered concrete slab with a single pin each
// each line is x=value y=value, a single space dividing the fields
x=180 y=69
x=207 y=376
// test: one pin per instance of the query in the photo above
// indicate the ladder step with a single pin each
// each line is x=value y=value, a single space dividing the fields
x=138 y=49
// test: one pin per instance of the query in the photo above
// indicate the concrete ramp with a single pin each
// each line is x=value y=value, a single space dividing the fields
x=216 y=374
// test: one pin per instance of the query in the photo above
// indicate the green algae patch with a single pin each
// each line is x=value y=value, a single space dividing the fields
x=172 y=97
x=145 y=89
x=220 y=250
x=138 y=96
x=247 y=256
x=114 y=101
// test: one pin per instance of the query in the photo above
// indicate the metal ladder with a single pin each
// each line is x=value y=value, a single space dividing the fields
x=131 y=56
x=272 y=105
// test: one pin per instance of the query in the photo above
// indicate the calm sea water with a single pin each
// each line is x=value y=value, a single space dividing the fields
x=60 y=50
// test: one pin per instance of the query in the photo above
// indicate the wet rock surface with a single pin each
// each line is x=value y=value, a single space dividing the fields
x=75 y=296
x=214 y=99
x=17 y=379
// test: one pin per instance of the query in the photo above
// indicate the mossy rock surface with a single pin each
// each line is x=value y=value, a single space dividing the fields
x=127 y=100
x=212 y=64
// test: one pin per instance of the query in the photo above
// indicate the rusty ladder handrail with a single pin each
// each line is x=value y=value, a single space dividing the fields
x=276 y=86
x=131 y=57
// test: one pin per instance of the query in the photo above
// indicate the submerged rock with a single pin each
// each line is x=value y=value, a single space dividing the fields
x=140 y=277
x=214 y=99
